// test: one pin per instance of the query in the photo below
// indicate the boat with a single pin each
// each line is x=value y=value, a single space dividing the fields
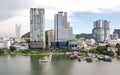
x=79 y=59
x=89 y=59
x=105 y=58
x=101 y=58
x=46 y=59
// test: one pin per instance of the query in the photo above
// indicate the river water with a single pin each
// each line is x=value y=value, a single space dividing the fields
x=60 y=65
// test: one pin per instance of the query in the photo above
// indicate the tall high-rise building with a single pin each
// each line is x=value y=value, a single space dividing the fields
x=101 y=31
x=37 y=28
x=18 y=31
x=114 y=36
x=117 y=32
x=62 y=29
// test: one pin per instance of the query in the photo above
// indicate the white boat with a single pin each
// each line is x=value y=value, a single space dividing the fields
x=46 y=59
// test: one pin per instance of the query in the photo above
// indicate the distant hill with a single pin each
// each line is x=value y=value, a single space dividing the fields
x=86 y=36
x=26 y=35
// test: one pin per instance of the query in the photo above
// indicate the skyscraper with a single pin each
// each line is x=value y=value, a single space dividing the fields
x=18 y=31
x=37 y=28
x=101 y=31
x=63 y=31
x=117 y=32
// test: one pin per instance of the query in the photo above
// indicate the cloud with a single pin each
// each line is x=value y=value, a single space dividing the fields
x=81 y=5
x=11 y=8
x=17 y=11
x=8 y=25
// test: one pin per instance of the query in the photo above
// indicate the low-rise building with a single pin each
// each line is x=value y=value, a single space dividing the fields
x=50 y=35
x=114 y=41
x=81 y=43
x=59 y=45
x=73 y=45
x=4 y=44
x=90 y=41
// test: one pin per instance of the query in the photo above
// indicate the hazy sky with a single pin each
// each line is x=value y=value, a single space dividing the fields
x=81 y=13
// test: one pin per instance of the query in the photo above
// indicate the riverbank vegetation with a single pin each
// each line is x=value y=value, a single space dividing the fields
x=99 y=50
x=25 y=52
x=13 y=50
x=118 y=47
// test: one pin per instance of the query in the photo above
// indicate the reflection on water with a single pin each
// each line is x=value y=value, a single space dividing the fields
x=14 y=65
x=60 y=65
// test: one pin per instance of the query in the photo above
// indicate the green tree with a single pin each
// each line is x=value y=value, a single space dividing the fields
x=118 y=47
x=103 y=50
x=83 y=35
x=107 y=46
x=1 y=51
x=92 y=51
x=12 y=48
x=46 y=38
x=28 y=40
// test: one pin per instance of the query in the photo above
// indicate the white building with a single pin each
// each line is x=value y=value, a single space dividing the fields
x=90 y=41
x=114 y=41
x=63 y=31
x=37 y=28
x=22 y=46
x=4 y=44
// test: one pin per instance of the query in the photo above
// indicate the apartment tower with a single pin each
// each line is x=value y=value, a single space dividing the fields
x=37 y=28
x=101 y=31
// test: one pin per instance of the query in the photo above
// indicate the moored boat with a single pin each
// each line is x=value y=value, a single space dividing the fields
x=105 y=58
x=89 y=59
x=46 y=59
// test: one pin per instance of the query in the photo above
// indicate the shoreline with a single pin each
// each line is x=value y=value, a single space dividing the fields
x=34 y=54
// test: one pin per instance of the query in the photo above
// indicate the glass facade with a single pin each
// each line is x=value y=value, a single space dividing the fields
x=63 y=31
